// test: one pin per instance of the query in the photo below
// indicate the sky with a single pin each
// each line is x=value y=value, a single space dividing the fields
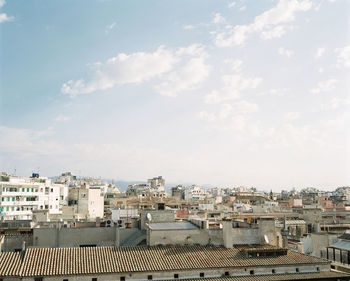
x=227 y=93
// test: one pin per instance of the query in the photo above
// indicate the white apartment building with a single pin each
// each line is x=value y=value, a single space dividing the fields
x=19 y=196
x=195 y=192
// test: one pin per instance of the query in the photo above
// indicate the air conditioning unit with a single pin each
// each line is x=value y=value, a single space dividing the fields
x=121 y=223
x=109 y=223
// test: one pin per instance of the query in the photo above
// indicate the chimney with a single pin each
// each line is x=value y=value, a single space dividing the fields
x=23 y=249
x=117 y=235
x=227 y=233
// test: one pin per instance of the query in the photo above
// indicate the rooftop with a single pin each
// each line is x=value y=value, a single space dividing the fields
x=172 y=226
x=99 y=260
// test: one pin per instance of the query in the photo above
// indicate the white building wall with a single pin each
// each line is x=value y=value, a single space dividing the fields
x=19 y=196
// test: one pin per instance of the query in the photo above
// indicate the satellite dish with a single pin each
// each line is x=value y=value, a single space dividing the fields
x=149 y=216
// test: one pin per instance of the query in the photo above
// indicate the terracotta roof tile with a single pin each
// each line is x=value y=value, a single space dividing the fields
x=10 y=264
x=73 y=261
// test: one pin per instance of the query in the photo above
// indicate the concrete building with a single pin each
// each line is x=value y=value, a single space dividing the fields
x=195 y=192
x=19 y=196
x=88 y=201
x=157 y=183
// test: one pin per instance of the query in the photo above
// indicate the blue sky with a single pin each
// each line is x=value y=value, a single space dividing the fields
x=226 y=93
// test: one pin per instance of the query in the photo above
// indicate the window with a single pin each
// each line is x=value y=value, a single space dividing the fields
x=65 y=279
x=273 y=271
x=94 y=279
x=201 y=274
x=318 y=269
x=27 y=189
x=38 y=279
x=51 y=189
x=251 y=272
x=297 y=269
x=23 y=189
x=32 y=189
x=227 y=273
x=176 y=276
x=149 y=277
x=122 y=278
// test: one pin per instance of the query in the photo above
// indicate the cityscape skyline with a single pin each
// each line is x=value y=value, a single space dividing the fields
x=224 y=93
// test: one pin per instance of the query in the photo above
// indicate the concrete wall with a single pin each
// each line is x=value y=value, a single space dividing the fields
x=267 y=229
x=203 y=236
x=245 y=236
x=191 y=274
x=157 y=216
x=178 y=237
x=74 y=237
x=320 y=241
x=15 y=242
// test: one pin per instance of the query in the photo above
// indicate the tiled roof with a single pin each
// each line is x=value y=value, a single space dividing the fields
x=95 y=260
x=10 y=264
x=296 y=276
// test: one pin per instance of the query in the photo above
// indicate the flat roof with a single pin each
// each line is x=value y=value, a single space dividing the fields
x=172 y=226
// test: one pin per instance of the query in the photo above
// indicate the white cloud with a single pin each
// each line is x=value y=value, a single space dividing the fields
x=275 y=32
x=3 y=16
x=324 y=86
x=293 y=115
x=336 y=103
x=187 y=76
x=244 y=107
x=231 y=116
x=275 y=92
x=321 y=70
x=218 y=18
x=319 y=52
x=343 y=59
x=204 y=115
x=110 y=27
x=62 y=118
x=139 y=67
x=340 y=122
x=124 y=69
x=270 y=24
x=188 y=27
x=233 y=85
x=231 y=4
x=236 y=65
x=284 y=52
x=243 y=8
x=25 y=142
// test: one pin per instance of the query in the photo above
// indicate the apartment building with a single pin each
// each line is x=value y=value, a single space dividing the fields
x=19 y=196
x=88 y=201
